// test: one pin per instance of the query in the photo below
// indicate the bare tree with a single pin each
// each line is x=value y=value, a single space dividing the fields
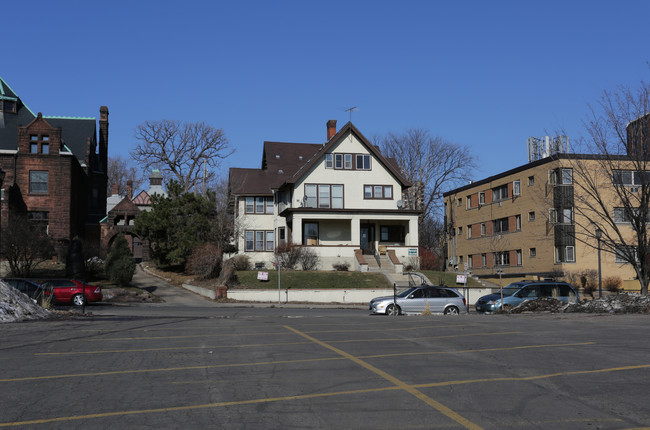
x=24 y=245
x=120 y=170
x=612 y=186
x=432 y=164
x=182 y=151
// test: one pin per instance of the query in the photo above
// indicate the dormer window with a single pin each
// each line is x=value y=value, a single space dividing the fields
x=8 y=106
x=39 y=144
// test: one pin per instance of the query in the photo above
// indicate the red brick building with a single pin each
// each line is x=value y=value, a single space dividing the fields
x=55 y=170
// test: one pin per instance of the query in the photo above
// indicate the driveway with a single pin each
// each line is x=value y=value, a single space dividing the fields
x=172 y=295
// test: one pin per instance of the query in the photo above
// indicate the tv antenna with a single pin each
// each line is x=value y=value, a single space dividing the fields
x=352 y=109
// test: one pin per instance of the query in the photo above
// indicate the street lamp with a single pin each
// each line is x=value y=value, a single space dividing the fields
x=2 y=180
x=599 y=234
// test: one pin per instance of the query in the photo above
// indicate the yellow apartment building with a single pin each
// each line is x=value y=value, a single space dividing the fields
x=523 y=223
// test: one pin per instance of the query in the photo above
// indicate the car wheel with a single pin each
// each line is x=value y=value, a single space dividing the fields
x=392 y=310
x=78 y=300
x=452 y=310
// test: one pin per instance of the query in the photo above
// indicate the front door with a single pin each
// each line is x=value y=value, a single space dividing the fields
x=367 y=238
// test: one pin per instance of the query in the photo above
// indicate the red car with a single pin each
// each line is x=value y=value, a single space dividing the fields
x=72 y=291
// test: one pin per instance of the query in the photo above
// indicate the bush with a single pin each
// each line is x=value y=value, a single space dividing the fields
x=205 y=261
x=613 y=284
x=241 y=262
x=428 y=260
x=309 y=260
x=289 y=254
x=120 y=266
x=341 y=267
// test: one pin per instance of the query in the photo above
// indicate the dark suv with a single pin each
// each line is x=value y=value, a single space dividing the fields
x=518 y=292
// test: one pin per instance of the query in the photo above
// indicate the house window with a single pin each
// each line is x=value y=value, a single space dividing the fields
x=377 y=191
x=324 y=196
x=481 y=198
x=347 y=161
x=531 y=180
x=500 y=193
x=337 y=196
x=532 y=252
x=516 y=188
x=338 y=161
x=392 y=233
x=282 y=235
x=8 y=106
x=259 y=205
x=329 y=161
x=363 y=162
x=259 y=240
x=310 y=233
x=38 y=182
x=310 y=193
x=531 y=216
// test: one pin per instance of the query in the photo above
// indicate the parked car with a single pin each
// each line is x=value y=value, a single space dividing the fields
x=72 y=291
x=517 y=292
x=440 y=299
x=31 y=288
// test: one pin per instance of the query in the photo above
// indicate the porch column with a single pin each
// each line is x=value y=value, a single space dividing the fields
x=412 y=239
x=355 y=231
x=296 y=231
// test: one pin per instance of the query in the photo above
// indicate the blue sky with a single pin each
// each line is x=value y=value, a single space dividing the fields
x=483 y=74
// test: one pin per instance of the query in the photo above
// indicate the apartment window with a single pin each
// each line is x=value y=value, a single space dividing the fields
x=460 y=231
x=532 y=252
x=566 y=216
x=483 y=260
x=483 y=229
x=625 y=253
x=481 y=198
x=502 y=258
x=329 y=161
x=310 y=233
x=516 y=188
x=259 y=240
x=377 y=191
x=38 y=182
x=621 y=216
x=517 y=222
x=460 y=201
x=392 y=233
x=519 y=262
x=469 y=231
x=500 y=225
x=363 y=162
x=565 y=254
x=470 y=261
x=531 y=216
x=500 y=193
x=562 y=176
x=531 y=181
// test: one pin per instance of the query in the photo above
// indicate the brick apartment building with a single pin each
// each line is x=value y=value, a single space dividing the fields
x=55 y=170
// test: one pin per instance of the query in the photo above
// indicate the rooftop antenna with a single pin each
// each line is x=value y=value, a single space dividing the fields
x=351 y=109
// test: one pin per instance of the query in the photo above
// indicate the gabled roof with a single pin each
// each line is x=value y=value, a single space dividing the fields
x=349 y=127
x=142 y=199
x=74 y=131
x=125 y=206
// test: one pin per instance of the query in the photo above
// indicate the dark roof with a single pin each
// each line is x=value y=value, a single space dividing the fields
x=74 y=131
x=252 y=181
x=554 y=157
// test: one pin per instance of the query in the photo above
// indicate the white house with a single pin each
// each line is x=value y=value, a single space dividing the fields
x=342 y=198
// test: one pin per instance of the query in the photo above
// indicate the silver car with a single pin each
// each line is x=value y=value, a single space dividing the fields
x=417 y=299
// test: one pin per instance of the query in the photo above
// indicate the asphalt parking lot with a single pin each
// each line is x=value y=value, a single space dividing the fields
x=245 y=368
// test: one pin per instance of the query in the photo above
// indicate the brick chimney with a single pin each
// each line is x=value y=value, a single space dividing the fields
x=129 y=189
x=115 y=189
x=331 y=129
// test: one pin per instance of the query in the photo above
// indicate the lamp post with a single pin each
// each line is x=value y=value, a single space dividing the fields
x=599 y=234
x=2 y=180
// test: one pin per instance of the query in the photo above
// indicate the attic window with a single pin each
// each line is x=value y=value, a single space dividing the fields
x=8 y=106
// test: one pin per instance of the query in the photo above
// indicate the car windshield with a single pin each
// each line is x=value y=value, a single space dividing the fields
x=406 y=292
x=510 y=289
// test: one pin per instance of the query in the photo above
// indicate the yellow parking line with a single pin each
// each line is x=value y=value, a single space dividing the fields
x=262 y=363
x=317 y=395
x=253 y=345
x=402 y=385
